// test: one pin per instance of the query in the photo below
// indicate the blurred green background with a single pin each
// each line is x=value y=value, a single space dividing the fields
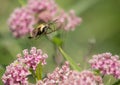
x=99 y=32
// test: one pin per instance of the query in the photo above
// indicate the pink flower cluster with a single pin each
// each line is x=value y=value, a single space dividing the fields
x=21 y=22
x=68 y=21
x=35 y=57
x=42 y=5
x=15 y=74
x=57 y=75
x=22 y=19
x=65 y=76
x=72 y=21
x=82 y=78
x=106 y=64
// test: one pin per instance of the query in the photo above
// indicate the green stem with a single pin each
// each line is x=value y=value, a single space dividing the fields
x=70 y=60
x=38 y=72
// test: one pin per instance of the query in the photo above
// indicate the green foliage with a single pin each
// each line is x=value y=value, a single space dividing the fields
x=38 y=71
x=1 y=72
x=70 y=60
x=31 y=79
x=57 y=41
x=22 y=2
x=32 y=72
x=9 y=49
x=117 y=82
x=96 y=72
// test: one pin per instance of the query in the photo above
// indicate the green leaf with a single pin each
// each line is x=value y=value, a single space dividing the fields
x=22 y=2
x=117 y=82
x=39 y=71
x=69 y=59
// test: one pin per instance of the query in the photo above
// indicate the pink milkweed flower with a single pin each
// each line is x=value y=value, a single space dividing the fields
x=73 y=21
x=34 y=57
x=48 y=10
x=55 y=77
x=106 y=64
x=34 y=12
x=16 y=74
x=21 y=22
x=37 y=6
x=82 y=78
x=65 y=76
x=44 y=9
x=68 y=21
x=45 y=16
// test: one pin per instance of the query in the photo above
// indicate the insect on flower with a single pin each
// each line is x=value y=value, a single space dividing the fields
x=43 y=29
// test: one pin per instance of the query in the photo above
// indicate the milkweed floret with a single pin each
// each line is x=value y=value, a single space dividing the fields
x=34 y=57
x=16 y=74
x=68 y=21
x=65 y=76
x=107 y=64
x=21 y=22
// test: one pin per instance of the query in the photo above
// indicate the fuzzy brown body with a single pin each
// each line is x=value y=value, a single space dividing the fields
x=42 y=29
